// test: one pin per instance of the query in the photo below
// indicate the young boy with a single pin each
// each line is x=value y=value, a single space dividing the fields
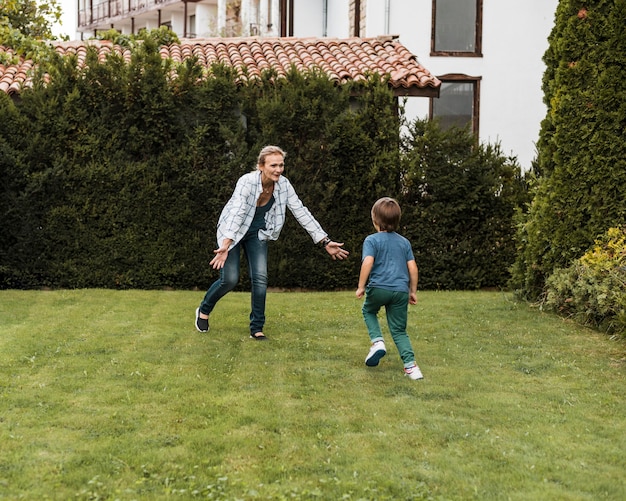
x=389 y=264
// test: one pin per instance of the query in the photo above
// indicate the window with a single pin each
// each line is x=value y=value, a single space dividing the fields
x=457 y=104
x=457 y=28
x=192 y=26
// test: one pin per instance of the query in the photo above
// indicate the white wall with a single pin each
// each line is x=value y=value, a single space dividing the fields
x=178 y=22
x=338 y=24
x=512 y=98
x=309 y=22
x=206 y=20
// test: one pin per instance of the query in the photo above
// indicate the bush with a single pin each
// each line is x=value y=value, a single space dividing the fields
x=117 y=172
x=459 y=199
x=593 y=290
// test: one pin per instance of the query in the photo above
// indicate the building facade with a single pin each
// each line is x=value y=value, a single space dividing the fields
x=187 y=18
x=487 y=53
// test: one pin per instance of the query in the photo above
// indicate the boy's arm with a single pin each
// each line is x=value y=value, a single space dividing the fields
x=366 y=268
x=413 y=278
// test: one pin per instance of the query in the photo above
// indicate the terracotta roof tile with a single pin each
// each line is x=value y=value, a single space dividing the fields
x=343 y=60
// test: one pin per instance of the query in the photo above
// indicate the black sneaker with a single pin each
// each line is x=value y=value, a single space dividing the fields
x=202 y=324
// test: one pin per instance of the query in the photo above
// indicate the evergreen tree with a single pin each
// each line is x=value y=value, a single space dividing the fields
x=582 y=148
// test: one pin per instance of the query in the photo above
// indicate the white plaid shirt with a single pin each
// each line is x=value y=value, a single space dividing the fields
x=237 y=215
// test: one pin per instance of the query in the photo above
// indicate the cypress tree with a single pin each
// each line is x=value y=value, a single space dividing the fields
x=581 y=163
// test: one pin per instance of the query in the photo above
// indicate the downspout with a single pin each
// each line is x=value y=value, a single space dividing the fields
x=325 y=19
x=283 y=18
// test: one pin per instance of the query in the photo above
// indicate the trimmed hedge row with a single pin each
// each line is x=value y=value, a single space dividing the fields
x=116 y=174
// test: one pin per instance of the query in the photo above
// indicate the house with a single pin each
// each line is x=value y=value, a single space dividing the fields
x=487 y=53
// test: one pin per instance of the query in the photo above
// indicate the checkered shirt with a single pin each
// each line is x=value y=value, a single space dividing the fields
x=238 y=213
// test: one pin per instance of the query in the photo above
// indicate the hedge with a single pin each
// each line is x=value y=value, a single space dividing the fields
x=116 y=174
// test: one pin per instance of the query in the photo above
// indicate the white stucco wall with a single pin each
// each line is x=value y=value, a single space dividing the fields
x=339 y=22
x=309 y=18
x=309 y=22
x=206 y=24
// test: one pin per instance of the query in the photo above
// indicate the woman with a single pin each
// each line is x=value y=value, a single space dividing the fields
x=254 y=215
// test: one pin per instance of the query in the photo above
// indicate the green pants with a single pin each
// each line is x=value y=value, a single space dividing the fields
x=396 y=305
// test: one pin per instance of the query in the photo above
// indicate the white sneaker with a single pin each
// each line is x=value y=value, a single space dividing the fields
x=377 y=351
x=413 y=372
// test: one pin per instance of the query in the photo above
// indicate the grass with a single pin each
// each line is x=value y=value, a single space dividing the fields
x=114 y=395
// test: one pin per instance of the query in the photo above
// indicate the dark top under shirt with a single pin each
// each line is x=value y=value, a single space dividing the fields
x=258 y=223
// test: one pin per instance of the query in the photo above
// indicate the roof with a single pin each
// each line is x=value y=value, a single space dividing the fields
x=343 y=60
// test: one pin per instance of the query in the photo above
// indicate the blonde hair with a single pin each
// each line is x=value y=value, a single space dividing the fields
x=269 y=150
x=386 y=214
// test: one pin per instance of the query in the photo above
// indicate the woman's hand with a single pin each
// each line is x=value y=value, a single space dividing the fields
x=335 y=250
x=221 y=255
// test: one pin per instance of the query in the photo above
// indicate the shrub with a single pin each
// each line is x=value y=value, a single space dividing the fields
x=458 y=201
x=116 y=175
x=593 y=290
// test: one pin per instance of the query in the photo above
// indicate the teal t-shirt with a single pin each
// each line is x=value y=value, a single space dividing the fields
x=391 y=252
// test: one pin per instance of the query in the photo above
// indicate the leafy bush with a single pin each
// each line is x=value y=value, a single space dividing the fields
x=593 y=290
x=117 y=172
x=459 y=199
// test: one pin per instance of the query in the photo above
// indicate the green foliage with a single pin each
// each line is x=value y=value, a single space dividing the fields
x=161 y=36
x=582 y=153
x=32 y=18
x=339 y=160
x=25 y=25
x=119 y=176
x=12 y=158
x=118 y=172
x=458 y=201
x=593 y=289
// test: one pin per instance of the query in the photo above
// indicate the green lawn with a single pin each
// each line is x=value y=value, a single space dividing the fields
x=114 y=395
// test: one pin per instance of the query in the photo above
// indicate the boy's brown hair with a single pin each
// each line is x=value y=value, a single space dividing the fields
x=386 y=214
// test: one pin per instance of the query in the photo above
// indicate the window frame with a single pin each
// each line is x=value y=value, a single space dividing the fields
x=478 y=42
x=462 y=78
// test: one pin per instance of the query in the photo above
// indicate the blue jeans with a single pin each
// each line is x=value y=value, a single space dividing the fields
x=256 y=255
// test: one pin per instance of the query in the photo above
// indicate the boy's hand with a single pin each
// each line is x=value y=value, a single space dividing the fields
x=360 y=292
x=413 y=298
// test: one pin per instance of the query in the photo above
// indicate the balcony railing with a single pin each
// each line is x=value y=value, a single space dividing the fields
x=115 y=8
